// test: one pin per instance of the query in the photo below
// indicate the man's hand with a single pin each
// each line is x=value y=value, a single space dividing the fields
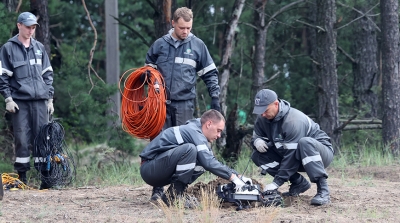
x=270 y=187
x=215 y=104
x=11 y=106
x=238 y=182
x=247 y=180
x=50 y=107
x=260 y=145
x=145 y=77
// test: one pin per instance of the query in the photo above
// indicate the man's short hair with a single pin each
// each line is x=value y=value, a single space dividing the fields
x=184 y=13
x=212 y=115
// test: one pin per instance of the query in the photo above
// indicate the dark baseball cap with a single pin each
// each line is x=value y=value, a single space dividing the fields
x=27 y=19
x=263 y=98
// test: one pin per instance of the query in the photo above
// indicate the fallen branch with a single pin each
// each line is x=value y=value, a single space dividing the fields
x=363 y=121
x=344 y=124
x=362 y=127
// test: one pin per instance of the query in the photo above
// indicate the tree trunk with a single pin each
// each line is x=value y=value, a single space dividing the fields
x=258 y=64
x=112 y=55
x=39 y=8
x=11 y=5
x=163 y=16
x=390 y=71
x=328 y=115
x=234 y=139
x=228 y=45
x=365 y=67
x=227 y=49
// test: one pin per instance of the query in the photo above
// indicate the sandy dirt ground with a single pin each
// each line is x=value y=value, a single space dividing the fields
x=358 y=195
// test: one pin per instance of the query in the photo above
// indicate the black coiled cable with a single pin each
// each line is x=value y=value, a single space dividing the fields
x=53 y=160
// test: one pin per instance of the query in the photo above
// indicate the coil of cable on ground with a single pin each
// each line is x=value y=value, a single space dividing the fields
x=53 y=160
x=143 y=105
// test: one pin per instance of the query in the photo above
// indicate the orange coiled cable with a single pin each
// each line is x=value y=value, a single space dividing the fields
x=143 y=105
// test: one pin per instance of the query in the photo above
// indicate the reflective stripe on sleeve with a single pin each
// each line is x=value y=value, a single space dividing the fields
x=9 y=73
x=201 y=147
x=185 y=61
x=206 y=69
x=309 y=125
x=47 y=69
x=311 y=159
x=178 y=135
x=199 y=169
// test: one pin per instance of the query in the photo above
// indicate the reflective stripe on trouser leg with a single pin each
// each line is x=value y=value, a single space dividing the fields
x=161 y=171
x=26 y=124
x=22 y=131
x=315 y=157
x=186 y=165
x=268 y=161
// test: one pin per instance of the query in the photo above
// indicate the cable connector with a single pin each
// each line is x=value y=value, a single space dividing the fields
x=157 y=87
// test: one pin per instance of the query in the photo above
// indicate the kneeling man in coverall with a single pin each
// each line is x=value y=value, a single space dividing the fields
x=296 y=144
x=180 y=154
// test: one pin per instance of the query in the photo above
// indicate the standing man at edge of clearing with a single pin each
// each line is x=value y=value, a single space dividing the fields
x=26 y=80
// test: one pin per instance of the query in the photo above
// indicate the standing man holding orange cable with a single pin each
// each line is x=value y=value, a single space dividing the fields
x=180 y=56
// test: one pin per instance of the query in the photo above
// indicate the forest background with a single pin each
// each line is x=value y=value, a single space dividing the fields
x=337 y=61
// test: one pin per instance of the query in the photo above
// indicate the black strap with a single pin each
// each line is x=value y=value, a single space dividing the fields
x=171 y=111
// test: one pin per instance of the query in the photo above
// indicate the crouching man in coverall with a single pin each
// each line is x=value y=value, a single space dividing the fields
x=180 y=154
x=286 y=141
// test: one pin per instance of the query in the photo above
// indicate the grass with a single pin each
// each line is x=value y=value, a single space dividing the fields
x=363 y=157
x=126 y=172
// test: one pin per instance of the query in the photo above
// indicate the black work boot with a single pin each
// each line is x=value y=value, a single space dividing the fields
x=176 y=195
x=322 y=197
x=46 y=181
x=22 y=177
x=176 y=190
x=158 y=192
x=298 y=186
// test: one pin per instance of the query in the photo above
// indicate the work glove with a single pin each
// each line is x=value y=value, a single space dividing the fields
x=269 y=188
x=11 y=106
x=215 y=104
x=260 y=145
x=50 y=107
x=247 y=180
x=238 y=183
